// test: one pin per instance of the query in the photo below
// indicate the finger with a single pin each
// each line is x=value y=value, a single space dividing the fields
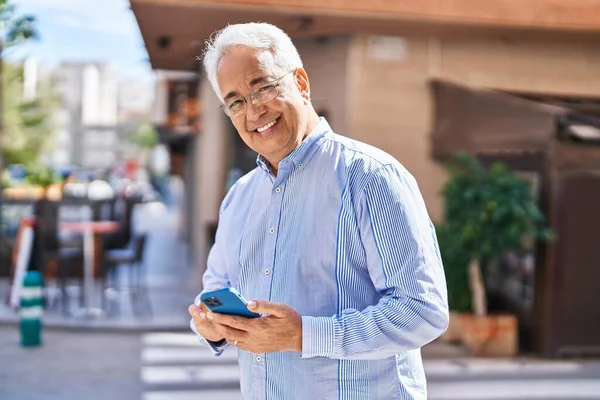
x=235 y=342
x=267 y=307
x=195 y=311
x=233 y=321
x=242 y=345
x=247 y=346
x=231 y=334
x=204 y=308
x=199 y=316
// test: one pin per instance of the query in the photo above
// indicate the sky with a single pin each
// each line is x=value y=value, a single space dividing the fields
x=86 y=30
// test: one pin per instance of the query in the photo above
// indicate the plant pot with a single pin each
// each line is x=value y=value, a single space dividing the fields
x=490 y=335
x=454 y=332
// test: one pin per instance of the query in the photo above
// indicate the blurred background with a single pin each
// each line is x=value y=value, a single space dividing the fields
x=115 y=157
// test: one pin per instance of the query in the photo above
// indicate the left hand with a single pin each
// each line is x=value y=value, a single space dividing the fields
x=281 y=330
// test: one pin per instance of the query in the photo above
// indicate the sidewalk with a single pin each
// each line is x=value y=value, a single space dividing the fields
x=173 y=284
x=441 y=350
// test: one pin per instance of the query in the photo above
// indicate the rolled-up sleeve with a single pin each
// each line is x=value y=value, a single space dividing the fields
x=404 y=265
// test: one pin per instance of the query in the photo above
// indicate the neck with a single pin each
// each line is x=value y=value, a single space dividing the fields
x=313 y=121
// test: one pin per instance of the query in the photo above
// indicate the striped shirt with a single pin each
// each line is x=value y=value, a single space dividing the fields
x=341 y=235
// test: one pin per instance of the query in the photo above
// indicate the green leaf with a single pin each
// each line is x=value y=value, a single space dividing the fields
x=488 y=212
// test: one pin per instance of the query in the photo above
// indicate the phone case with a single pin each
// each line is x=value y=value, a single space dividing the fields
x=227 y=301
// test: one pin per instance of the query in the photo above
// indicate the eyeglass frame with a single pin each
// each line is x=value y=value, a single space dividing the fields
x=252 y=95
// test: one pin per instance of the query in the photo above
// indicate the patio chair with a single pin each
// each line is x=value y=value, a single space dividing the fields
x=131 y=258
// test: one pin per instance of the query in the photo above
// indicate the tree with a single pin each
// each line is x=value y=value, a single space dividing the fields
x=145 y=136
x=488 y=212
x=14 y=30
x=27 y=124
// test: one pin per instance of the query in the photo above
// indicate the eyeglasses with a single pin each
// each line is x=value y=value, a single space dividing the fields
x=261 y=95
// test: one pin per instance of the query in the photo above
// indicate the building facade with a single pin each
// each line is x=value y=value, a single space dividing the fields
x=373 y=69
x=370 y=65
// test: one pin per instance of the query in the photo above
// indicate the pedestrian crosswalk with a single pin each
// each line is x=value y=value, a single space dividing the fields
x=176 y=367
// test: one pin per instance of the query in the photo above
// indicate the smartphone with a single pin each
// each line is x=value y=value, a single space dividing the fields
x=227 y=301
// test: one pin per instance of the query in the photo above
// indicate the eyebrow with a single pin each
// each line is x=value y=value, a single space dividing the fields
x=253 y=82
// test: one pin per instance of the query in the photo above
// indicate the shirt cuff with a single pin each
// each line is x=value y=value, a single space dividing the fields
x=318 y=336
x=216 y=350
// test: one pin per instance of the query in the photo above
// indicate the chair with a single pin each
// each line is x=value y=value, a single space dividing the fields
x=121 y=211
x=131 y=258
x=47 y=247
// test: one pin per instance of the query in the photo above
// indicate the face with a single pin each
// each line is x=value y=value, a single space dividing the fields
x=273 y=129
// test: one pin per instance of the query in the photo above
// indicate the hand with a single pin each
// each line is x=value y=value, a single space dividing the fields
x=280 y=330
x=204 y=325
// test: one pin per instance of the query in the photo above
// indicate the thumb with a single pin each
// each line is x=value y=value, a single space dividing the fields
x=267 y=307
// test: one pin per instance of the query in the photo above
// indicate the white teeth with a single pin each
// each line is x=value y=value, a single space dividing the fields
x=267 y=126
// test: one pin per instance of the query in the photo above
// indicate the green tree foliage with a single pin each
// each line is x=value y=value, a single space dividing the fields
x=14 y=30
x=488 y=212
x=455 y=261
x=28 y=126
x=145 y=136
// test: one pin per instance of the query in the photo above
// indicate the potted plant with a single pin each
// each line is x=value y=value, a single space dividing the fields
x=488 y=212
x=41 y=178
x=459 y=297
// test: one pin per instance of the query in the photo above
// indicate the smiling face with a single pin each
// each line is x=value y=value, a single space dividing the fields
x=275 y=128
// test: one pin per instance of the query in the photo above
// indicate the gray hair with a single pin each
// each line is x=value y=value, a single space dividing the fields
x=256 y=35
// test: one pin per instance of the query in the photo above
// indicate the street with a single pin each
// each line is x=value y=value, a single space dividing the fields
x=173 y=366
x=70 y=366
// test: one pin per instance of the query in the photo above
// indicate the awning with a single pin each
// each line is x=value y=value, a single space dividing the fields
x=174 y=31
x=482 y=121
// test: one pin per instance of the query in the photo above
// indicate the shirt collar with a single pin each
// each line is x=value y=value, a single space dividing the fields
x=302 y=154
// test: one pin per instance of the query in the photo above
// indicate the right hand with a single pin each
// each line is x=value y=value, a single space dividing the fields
x=204 y=325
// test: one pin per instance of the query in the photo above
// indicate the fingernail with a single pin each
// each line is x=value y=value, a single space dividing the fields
x=209 y=316
x=251 y=304
x=201 y=315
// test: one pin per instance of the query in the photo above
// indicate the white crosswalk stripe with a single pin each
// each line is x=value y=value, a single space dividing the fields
x=175 y=366
x=197 y=353
x=189 y=374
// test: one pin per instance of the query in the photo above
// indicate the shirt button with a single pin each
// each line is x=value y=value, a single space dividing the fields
x=301 y=165
x=267 y=271
x=278 y=190
x=272 y=230
x=258 y=358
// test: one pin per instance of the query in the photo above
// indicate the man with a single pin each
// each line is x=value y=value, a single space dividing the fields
x=328 y=237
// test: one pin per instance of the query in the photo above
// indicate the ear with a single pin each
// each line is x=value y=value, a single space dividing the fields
x=303 y=84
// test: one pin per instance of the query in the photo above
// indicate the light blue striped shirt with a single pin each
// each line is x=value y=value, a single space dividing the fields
x=341 y=235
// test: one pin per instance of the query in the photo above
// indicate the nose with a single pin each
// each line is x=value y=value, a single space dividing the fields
x=254 y=110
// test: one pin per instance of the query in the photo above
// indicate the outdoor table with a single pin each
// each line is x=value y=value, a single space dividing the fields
x=89 y=229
